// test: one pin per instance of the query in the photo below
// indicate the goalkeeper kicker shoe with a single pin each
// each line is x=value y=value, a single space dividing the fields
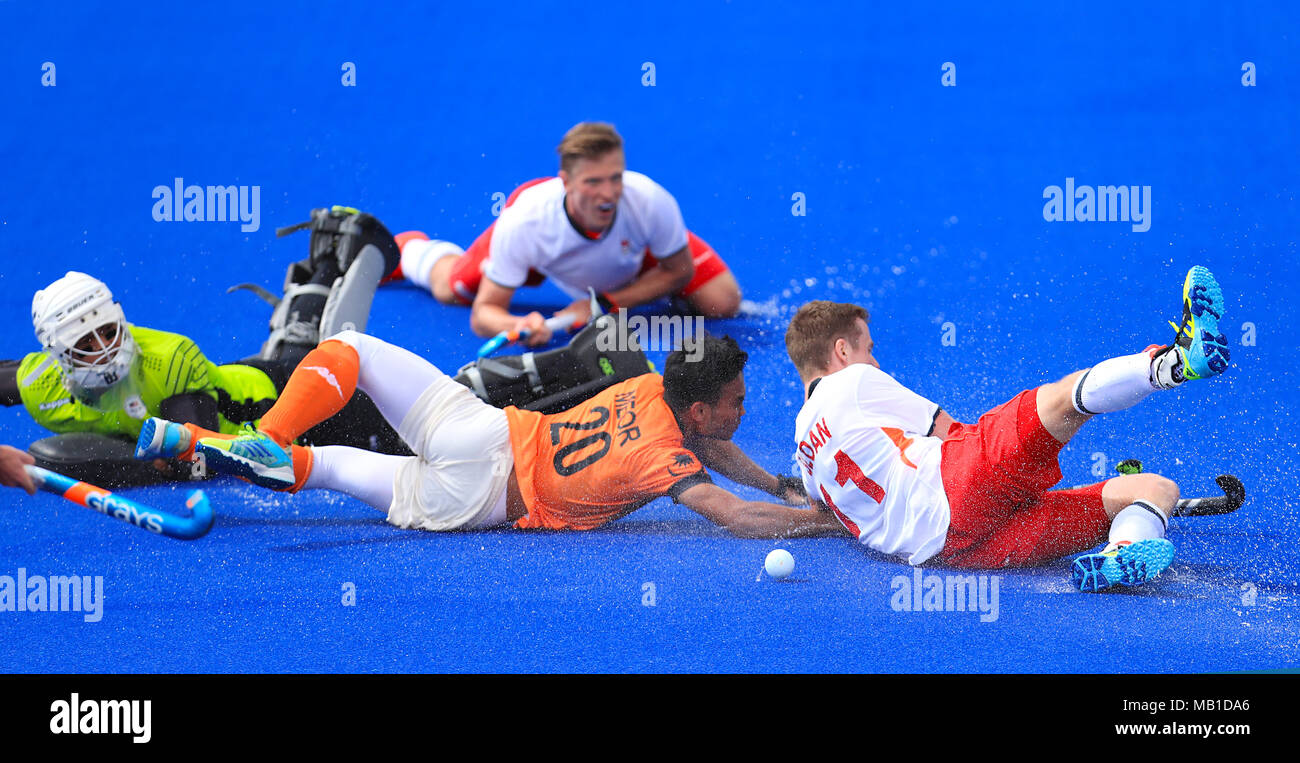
x=252 y=456
x=1125 y=563
x=160 y=438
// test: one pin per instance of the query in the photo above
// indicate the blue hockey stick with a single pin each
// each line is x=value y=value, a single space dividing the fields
x=105 y=502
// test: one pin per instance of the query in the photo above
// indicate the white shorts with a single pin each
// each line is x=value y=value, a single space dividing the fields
x=457 y=479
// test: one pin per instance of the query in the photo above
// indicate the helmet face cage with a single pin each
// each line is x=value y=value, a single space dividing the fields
x=97 y=350
x=88 y=334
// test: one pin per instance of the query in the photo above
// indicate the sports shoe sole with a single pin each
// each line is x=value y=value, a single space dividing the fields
x=1208 y=355
x=1132 y=565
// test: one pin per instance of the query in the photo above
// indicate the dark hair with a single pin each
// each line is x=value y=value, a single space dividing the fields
x=691 y=375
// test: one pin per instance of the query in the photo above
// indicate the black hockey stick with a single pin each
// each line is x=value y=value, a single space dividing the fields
x=1234 y=494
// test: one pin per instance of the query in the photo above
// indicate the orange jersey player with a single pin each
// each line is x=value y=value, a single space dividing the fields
x=476 y=466
x=601 y=459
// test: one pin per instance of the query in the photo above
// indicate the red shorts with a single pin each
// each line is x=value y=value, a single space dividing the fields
x=996 y=474
x=466 y=276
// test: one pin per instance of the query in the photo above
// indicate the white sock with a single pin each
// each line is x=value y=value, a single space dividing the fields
x=1113 y=385
x=362 y=474
x=418 y=257
x=1140 y=520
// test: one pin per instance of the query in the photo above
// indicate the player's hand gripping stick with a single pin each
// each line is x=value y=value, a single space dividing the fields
x=556 y=323
x=560 y=322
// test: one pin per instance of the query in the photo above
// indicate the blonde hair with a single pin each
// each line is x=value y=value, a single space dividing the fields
x=587 y=140
x=810 y=338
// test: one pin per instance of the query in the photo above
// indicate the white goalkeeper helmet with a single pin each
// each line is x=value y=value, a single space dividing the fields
x=79 y=325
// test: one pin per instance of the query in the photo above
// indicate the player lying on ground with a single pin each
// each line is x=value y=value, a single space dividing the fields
x=99 y=374
x=907 y=480
x=596 y=225
x=477 y=466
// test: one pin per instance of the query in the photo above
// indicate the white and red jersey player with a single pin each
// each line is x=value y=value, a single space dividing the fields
x=862 y=449
x=595 y=226
x=536 y=233
x=974 y=496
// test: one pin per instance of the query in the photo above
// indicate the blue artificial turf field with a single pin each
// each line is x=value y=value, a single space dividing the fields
x=924 y=203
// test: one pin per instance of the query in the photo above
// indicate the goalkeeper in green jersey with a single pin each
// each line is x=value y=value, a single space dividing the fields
x=98 y=378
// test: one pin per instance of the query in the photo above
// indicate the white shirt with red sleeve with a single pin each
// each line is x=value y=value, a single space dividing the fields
x=535 y=232
x=862 y=448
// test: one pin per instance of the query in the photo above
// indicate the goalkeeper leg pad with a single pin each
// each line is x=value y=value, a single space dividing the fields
x=348 y=305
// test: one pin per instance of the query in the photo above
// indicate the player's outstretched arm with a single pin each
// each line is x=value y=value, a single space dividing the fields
x=490 y=314
x=726 y=458
x=755 y=519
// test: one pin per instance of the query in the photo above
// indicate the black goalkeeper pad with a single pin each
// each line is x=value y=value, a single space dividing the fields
x=101 y=460
x=555 y=380
x=338 y=234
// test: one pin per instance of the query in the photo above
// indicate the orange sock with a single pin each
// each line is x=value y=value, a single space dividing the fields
x=318 y=388
x=302 y=463
x=197 y=432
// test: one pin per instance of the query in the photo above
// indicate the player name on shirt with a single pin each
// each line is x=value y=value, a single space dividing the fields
x=808 y=447
x=625 y=414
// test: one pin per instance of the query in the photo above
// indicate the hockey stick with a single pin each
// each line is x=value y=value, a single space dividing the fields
x=85 y=494
x=1234 y=494
x=556 y=323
